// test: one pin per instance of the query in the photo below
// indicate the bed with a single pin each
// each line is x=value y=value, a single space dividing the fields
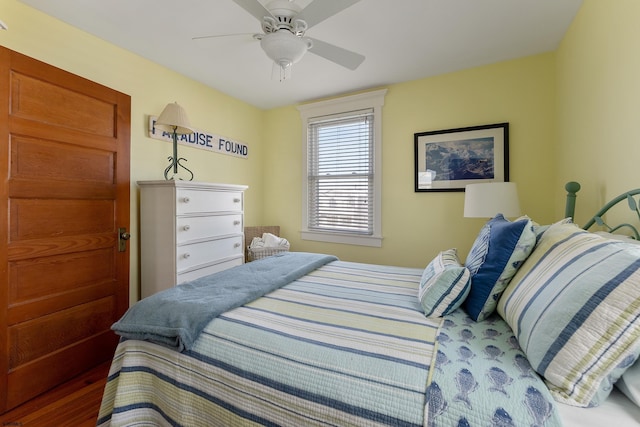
x=309 y=340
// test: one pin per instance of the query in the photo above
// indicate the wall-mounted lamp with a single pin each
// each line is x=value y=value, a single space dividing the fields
x=174 y=119
x=488 y=199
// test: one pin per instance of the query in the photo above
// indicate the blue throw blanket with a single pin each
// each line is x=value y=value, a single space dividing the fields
x=175 y=317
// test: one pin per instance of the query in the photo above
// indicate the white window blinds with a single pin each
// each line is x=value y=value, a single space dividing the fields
x=341 y=172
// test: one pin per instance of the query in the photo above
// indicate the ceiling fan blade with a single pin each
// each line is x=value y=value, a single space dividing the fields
x=221 y=35
x=319 y=10
x=340 y=56
x=255 y=8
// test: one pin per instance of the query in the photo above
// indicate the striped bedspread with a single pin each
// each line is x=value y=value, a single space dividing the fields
x=346 y=345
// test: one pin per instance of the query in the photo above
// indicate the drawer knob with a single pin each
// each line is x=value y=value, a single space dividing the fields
x=236 y=200
x=187 y=255
x=236 y=222
x=237 y=245
x=186 y=227
x=186 y=199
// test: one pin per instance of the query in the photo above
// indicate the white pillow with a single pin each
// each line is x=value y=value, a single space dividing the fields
x=629 y=383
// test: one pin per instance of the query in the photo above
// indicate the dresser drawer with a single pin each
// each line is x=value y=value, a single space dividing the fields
x=204 y=227
x=197 y=201
x=205 y=271
x=192 y=255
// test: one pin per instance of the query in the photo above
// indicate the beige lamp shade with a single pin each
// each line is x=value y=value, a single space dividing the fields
x=488 y=199
x=174 y=119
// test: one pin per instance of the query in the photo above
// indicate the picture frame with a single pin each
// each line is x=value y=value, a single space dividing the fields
x=449 y=159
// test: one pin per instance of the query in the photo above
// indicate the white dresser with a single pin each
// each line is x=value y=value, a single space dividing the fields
x=188 y=230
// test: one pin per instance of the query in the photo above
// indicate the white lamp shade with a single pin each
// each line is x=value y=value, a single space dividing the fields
x=174 y=118
x=488 y=199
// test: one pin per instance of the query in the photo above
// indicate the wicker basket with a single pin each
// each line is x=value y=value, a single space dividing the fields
x=257 y=231
x=259 y=253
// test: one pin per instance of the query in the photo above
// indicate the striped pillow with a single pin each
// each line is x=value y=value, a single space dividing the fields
x=444 y=284
x=574 y=306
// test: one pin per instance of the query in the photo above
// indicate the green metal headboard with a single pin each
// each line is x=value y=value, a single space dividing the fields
x=570 y=206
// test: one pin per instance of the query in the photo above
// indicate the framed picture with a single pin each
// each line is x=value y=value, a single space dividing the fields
x=447 y=160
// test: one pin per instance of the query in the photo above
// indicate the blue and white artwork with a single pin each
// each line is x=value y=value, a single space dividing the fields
x=461 y=160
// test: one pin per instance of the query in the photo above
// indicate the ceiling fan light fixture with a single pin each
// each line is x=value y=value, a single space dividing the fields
x=284 y=25
x=284 y=48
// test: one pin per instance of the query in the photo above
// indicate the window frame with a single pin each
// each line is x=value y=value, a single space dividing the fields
x=339 y=106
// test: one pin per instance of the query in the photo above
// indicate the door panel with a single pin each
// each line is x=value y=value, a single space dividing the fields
x=85 y=268
x=62 y=218
x=64 y=192
x=35 y=378
x=33 y=158
x=33 y=97
x=33 y=339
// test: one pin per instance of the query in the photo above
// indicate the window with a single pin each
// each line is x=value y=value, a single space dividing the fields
x=341 y=201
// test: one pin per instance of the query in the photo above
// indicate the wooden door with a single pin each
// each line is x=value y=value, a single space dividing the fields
x=64 y=193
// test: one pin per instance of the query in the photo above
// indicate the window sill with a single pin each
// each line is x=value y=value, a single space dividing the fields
x=347 y=239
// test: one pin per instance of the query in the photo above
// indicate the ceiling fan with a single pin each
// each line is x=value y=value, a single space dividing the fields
x=284 y=26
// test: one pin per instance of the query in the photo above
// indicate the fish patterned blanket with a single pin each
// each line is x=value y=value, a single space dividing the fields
x=482 y=378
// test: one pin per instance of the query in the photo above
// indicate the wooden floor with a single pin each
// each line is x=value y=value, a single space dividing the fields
x=74 y=404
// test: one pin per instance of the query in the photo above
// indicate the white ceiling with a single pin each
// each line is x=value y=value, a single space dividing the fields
x=402 y=40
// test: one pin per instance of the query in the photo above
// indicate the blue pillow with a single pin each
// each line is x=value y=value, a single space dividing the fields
x=444 y=284
x=499 y=250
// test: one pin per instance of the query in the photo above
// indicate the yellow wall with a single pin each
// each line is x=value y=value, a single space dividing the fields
x=418 y=225
x=598 y=79
x=151 y=87
x=572 y=113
